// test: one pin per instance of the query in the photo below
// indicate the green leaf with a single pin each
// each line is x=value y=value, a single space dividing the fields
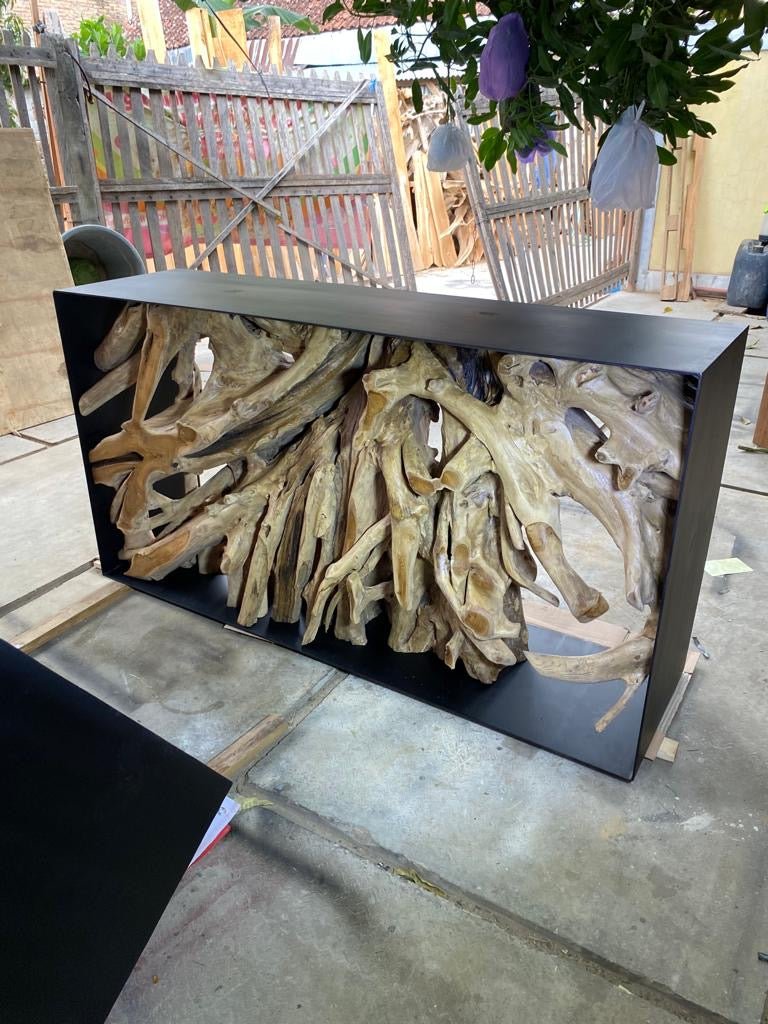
x=330 y=11
x=450 y=12
x=666 y=157
x=657 y=89
x=567 y=105
x=364 y=45
x=755 y=17
x=558 y=147
x=416 y=96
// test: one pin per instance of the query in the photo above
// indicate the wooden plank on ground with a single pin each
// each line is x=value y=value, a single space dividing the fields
x=33 y=381
x=656 y=744
x=238 y=757
x=33 y=638
x=667 y=749
x=760 y=436
x=561 y=620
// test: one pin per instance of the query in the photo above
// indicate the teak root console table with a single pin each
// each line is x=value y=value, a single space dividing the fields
x=375 y=478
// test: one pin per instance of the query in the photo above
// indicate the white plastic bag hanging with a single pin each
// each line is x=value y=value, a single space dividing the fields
x=624 y=174
x=449 y=148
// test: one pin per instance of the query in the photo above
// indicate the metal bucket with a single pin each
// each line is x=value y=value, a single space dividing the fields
x=97 y=253
x=748 y=284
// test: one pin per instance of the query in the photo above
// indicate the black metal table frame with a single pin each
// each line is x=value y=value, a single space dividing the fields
x=551 y=714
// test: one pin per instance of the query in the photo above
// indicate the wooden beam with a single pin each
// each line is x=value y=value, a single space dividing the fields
x=33 y=384
x=17 y=55
x=392 y=108
x=275 y=43
x=760 y=436
x=199 y=30
x=237 y=758
x=667 y=749
x=690 y=210
x=31 y=639
x=73 y=133
x=440 y=219
x=561 y=621
x=230 y=43
x=152 y=28
x=106 y=71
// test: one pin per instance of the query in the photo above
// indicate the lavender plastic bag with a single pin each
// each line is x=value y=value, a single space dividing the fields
x=624 y=174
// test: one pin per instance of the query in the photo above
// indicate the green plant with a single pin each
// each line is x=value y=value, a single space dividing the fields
x=599 y=55
x=102 y=34
x=255 y=14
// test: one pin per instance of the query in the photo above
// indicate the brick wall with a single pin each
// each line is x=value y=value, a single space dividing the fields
x=72 y=12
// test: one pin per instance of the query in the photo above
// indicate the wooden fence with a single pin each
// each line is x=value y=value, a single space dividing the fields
x=544 y=240
x=277 y=175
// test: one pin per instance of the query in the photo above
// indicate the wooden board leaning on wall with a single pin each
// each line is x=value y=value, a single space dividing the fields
x=33 y=381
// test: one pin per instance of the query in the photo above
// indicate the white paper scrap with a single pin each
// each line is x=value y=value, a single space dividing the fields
x=221 y=819
x=725 y=566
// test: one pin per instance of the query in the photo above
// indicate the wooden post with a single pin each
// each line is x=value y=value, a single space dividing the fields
x=52 y=23
x=230 y=40
x=200 y=35
x=389 y=89
x=73 y=132
x=152 y=27
x=690 y=209
x=275 y=43
x=760 y=437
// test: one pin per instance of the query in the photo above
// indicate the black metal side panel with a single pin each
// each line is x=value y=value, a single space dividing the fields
x=705 y=457
x=100 y=819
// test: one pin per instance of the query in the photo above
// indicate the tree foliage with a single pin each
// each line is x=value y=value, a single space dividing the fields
x=599 y=55
x=102 y=34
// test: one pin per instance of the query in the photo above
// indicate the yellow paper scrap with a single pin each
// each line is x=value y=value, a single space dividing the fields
x=725 y=566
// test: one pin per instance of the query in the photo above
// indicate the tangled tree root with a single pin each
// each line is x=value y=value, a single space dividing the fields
x=313 y=485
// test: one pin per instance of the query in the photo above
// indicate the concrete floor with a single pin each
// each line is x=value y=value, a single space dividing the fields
x=402 y=865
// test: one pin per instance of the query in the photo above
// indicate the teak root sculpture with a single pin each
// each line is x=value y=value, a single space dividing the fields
x=312 y=485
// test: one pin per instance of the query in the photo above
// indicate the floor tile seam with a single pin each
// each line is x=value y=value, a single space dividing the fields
x=24 y=455
x=45 y=588
x=301 y=710
x=533 y=935
x=40 y=441
x=744 y=490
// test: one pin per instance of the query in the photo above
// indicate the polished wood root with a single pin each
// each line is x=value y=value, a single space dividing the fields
x=342 y=475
